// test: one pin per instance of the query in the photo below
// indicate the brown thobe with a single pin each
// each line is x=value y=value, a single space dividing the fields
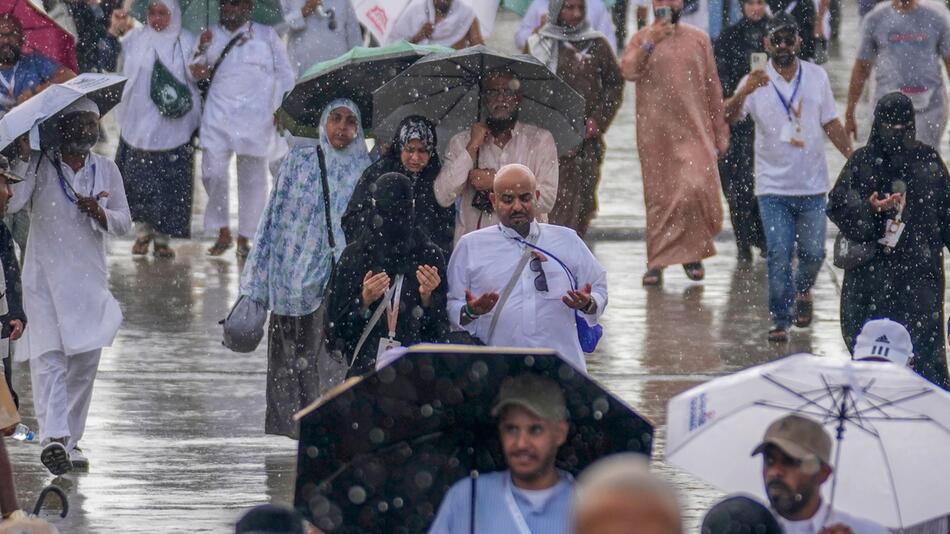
x=679 y=119
x=590 y=68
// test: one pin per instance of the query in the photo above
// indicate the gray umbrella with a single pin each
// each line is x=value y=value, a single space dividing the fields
x=446 y=88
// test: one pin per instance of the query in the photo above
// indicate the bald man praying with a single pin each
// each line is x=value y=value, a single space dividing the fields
x=519 y=282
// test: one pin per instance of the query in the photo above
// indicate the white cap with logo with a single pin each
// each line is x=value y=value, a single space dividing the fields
x=884 y=340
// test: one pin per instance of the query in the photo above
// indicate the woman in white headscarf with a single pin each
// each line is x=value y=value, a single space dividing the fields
x=443 y=22
x=582 y=57
x=158 y=115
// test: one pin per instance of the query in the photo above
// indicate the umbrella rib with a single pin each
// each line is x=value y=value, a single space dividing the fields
x=793 y=392
x=893 y=402
x=890 y=481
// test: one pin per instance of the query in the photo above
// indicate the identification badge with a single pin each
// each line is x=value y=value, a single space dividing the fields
x=385 y=344
x=895 y=227
x=792 y=134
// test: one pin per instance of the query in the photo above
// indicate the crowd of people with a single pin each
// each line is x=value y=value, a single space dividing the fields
x=479 y=240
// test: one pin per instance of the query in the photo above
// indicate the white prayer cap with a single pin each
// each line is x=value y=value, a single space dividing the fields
x=884 y=339
x=82 y=105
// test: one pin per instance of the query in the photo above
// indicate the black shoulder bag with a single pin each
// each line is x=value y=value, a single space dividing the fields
x=325 y=183
x=205 y=85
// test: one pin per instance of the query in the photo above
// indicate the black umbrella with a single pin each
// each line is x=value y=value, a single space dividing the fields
x=354 y=75
x=379 y=453
x=446 y=88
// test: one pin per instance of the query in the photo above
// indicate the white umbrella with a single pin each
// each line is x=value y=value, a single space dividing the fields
x=891 y=430
x=103 y=89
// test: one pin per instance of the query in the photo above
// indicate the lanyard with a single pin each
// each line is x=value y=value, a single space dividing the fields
x=67 y=188
x=393 y=296
x=513 y=509
x=788 y=104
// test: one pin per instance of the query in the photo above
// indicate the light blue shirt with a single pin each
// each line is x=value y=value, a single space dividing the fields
x=494 y=497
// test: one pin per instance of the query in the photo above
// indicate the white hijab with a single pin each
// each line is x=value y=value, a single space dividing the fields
x=447 y=32
x=171 y=45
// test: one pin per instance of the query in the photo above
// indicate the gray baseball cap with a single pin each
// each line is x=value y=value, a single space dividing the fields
x=798 y=437
x=535 y=393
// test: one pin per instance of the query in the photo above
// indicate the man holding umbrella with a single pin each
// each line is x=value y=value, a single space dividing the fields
x=248 y=72
x=531 y=495
x=796 y=456
x=473 y=157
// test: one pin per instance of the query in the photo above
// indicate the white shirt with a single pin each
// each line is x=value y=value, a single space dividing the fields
x=780 y=167
x=310 y=39
x=65 y=281
x=247 y=89
x=483 y=261
x=597 y=13
x=818 y=522
x=529 y=145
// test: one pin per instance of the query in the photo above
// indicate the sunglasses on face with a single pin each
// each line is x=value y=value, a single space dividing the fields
x=786 y=40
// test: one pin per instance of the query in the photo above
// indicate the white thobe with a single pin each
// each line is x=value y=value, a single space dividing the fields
x=529 y=145
x=484 y=261
x=310 y=39
x=247 y=89
x=65 y=281
x=821 y=519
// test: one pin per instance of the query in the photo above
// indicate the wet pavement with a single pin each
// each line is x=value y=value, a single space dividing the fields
x=175 y=435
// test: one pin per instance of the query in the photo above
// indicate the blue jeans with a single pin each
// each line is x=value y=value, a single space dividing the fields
x=791 y=221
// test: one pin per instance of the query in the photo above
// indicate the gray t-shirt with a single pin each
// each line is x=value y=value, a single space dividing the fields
x=907 y=49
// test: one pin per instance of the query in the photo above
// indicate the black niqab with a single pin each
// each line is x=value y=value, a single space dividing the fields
x=894 y=109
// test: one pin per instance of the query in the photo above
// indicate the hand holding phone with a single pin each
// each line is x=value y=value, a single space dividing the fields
x=759 y=61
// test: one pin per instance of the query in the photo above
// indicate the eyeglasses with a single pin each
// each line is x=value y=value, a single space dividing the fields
x=540 y=281
x=501 y=93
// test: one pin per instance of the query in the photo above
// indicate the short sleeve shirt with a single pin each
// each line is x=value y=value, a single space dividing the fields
x=33 y=69
x=780 y=167
x=907 y=48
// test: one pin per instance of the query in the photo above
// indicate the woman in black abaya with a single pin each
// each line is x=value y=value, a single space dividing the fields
x=904 y=283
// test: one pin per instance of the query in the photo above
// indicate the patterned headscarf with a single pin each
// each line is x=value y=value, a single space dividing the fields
x=415 y=127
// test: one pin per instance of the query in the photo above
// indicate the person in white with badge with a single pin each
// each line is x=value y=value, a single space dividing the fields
x=793 y=109
x=531 y=496
x=547 y=277
x=76 y=199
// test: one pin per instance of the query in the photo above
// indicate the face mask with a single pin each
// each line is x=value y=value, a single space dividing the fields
x=895 y=139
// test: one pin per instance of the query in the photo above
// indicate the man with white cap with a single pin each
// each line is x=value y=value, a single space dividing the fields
x=796 y=461
x=76 y=198
x=531 y=495
x=884 y=340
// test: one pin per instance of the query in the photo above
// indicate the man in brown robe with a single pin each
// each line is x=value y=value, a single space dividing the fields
x=583 y=58
x=680 y=134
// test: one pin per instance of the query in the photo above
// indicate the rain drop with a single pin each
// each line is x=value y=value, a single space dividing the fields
x=377 y=436
x=423 y=480
x=313 y=452
x=357 y=495
x=397 y=502
x=426 y=410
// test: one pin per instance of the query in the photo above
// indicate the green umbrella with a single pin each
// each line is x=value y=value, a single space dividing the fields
x=354 y=75
x=196 y=15
x=521 y=6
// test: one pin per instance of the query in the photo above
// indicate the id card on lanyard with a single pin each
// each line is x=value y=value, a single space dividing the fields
x=392 y=296
x=894 y=229
x=792 y=130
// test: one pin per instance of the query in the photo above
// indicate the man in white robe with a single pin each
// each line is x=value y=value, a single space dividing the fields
x=443 y=22
x=537 y=15
x=76 y=198
x=319 y=30
x=246 y=89
x=539 y=311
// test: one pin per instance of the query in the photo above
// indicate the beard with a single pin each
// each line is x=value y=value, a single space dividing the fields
x=9 y=54
x=497 y=126
x=79 y=145
x=786 y=501
x=675 y=15
x=784 y=60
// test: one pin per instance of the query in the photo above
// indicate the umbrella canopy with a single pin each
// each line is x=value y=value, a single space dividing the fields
x=103 y=89
x=892 y=431
x=446 y=88
x=354 y=75
x=41 y=33
x=379 y=453
x=197 y=15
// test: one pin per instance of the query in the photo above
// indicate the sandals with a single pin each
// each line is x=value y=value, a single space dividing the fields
x=163 y=251
x=778 y=335
x=220 y=247
x=653 y=278
x=694 y=271
x=243 y=249
x=803 y=313
x=55 y=458
x=140 y=247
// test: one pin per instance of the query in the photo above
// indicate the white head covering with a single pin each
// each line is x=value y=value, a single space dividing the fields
x=143 y=45
x=544 y=44
x=83 y=105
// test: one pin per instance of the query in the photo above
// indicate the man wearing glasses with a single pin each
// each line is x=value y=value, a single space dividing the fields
x=518 y=283
x=473 y=157
x=793 y=109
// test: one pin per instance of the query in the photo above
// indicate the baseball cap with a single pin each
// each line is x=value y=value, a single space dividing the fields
x=535 y=393
x=799 y=437
x=7 y=173
x=884 y=340
x=782 y=21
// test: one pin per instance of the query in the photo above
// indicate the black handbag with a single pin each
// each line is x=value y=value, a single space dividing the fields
x=850 y=254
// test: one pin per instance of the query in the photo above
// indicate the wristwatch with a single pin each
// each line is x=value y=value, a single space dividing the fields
x=591 y=307
x=468 y=312
x=648 y=47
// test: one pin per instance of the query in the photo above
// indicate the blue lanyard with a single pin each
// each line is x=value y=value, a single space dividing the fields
x=788 y=104
x=67 y=188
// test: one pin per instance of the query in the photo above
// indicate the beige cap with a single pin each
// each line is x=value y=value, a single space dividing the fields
x=799 y=437
x=535 y=393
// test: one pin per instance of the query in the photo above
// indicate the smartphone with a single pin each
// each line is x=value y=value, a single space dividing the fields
x=663 y=12
x=759 y=60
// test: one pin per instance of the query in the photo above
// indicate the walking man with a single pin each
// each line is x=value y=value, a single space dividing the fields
x=76 y=198
x=12 y=318
x=793 y=109
x=904 y=41
x=531 y=495
x=680 y=135
x=319 y=30
x=545 y=273
x=247 y=68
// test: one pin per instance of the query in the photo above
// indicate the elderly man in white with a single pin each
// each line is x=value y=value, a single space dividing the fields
x=76 y=199
x=536 y=16
x=249 y=71
x=527 y=262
